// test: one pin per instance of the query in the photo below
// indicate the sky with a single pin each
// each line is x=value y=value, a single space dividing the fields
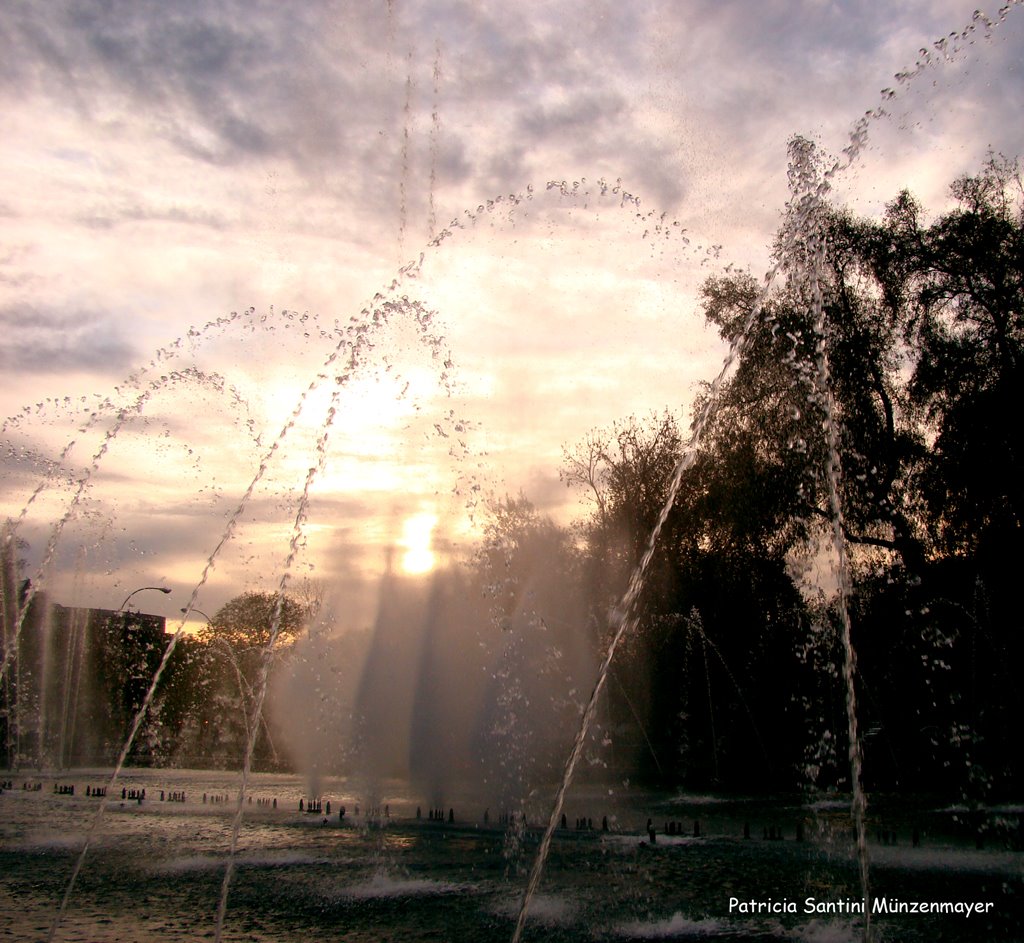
x=416 y=247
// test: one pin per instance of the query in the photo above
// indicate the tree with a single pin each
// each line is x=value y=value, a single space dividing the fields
x=540 y=645
x=962 y=279
x=965 y=317
x=310 y=595
x=624 y=472
x=248 y=621
x=705 y=660
x=244 y=640
x=922 y=331
x=770 y=416
x=920 y=325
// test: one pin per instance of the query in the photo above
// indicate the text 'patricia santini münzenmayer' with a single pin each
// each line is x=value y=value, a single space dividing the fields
x=847 y=905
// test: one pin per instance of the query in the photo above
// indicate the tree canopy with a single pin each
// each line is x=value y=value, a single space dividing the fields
x=920 y=325
x=248 y=620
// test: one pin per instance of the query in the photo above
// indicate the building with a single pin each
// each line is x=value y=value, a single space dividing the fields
x=76 y=682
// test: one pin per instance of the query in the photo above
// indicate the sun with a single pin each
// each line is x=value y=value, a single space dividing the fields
x=416 y=539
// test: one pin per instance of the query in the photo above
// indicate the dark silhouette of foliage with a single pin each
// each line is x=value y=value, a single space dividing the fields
x=920 y=325
x=241 y=645
x=248 y=620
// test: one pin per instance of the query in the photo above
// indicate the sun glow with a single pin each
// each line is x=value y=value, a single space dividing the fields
x=416 y=539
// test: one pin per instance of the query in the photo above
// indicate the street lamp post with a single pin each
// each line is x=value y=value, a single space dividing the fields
x=134 y=652
x=198 y=612
x=159 y=589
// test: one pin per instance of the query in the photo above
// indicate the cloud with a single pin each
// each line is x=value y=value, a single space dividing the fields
x=55 y=341
x=224 y=82
x=141 y=213
x=231 y=84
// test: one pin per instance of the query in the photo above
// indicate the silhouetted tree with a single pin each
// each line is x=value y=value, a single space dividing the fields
x=920 y=325
x=243 y=640
x=540 y=645
x=248 y=620
x=692 y=689
x=957 y=287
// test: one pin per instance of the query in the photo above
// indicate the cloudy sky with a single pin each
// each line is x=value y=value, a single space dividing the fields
x=200 y=197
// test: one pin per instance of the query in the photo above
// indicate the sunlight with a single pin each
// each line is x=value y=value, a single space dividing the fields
x=416 y=539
